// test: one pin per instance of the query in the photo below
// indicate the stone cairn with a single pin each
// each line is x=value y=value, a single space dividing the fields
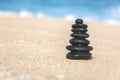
x=79 y=48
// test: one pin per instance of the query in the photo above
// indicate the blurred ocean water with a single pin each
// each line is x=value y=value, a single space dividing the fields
x=88 y=9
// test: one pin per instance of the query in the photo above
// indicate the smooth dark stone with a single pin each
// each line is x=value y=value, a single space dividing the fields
x=84 y=25
x=79 y=29
x=79 y=48
x=79 y=21
x=85 y=35
x=76 y=41
x=73 y=55
x=79 y=26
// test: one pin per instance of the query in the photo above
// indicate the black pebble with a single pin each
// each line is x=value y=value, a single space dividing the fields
x=79 y=21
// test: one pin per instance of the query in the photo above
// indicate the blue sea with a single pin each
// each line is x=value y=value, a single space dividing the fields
x=88 y=9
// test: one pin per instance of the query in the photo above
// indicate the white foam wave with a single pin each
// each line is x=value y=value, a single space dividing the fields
x=113 y=19
x=7 y=13
x=94 y=19
x=69 y=17
x=39 y=15
x=23 y=14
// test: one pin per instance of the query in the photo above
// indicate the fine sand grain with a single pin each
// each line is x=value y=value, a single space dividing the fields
x=34 y=49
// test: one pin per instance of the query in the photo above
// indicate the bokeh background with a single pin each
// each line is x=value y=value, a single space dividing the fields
x=34 y=34
x=100 y=10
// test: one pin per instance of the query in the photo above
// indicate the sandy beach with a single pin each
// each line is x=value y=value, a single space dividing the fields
x=34 y=49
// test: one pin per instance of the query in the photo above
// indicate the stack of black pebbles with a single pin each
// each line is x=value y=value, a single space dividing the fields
x=79 y=48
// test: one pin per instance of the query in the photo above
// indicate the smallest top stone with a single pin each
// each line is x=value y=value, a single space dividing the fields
x=79 y=21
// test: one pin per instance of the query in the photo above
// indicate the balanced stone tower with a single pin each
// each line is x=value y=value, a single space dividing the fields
x=79 y=48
